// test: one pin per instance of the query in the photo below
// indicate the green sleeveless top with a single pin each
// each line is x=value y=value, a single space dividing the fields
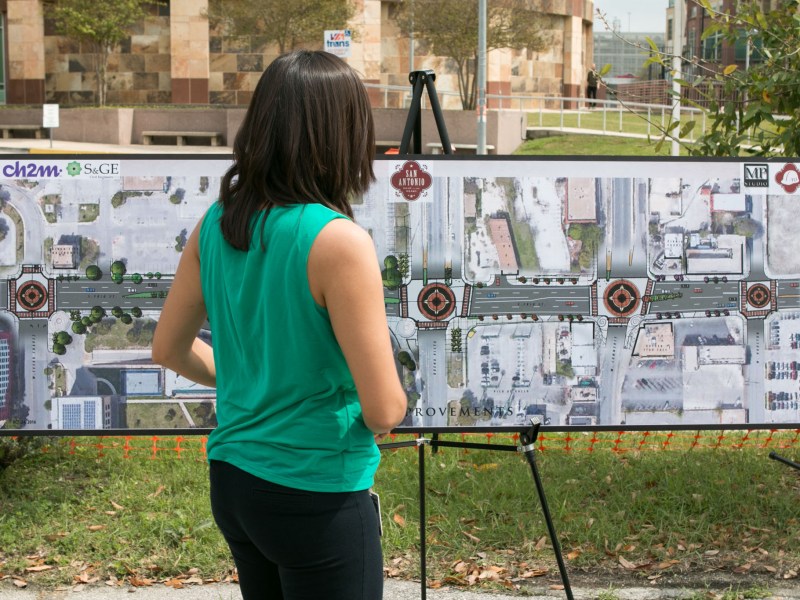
x=287 y=408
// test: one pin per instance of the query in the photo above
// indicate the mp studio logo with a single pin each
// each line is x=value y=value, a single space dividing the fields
x=756 y=175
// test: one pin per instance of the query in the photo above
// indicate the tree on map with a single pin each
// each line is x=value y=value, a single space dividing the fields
x=59 y=349
x=117 y=312
x=118 y=270
x=62 y=337
x=78 y=328
x=287 y=24
x=96 y=314
x=126 y=318
x=450 y=29
x=136 y=312
x=137 y=278
x=390 y=273
x=102 y=26
x=93 y=273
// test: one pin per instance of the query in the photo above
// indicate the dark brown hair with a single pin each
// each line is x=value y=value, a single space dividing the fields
x=307 y=137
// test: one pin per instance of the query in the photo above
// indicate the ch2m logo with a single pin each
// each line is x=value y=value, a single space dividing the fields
x=30 y=170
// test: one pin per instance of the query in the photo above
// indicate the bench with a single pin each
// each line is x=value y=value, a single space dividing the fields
x=382 y=146
x=180 y=137
x=8 y=130
x=436 y=148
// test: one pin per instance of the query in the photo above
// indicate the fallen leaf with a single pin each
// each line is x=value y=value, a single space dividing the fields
x=711 y=552
x=742 y=568
x=38 y=568
x=399 y=519
x=626 y=563
x=540 y=544
x=159 y=489
x=20 y=583
x=176 y=584
x=573 y=554
x=472 y=537
x=137 y=581
x=95 y=527
x=117 y=506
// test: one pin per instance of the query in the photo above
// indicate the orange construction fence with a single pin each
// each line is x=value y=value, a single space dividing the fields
x=194 y=447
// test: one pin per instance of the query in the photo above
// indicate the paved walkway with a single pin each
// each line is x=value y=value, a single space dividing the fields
x=394 y=590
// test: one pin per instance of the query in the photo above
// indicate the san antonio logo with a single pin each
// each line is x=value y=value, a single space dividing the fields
x=411 y=180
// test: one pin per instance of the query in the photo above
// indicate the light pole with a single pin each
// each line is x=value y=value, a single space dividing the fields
x=677 y=59
x=481 y=149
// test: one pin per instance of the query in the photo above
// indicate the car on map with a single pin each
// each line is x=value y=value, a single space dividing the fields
x=697 y=291
x=794 y=284
x=88 y=289
x=491 y=295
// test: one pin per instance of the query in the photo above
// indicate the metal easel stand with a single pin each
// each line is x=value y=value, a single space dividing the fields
x=419 y=80
x=528 y=447
x=785 y=461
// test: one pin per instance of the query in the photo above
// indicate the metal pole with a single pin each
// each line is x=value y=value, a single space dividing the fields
x=411 y=50
x=481 y=77
x=677 y=55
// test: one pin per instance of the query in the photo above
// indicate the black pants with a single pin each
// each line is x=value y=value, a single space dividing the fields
x=591 y=92
x=292 y=544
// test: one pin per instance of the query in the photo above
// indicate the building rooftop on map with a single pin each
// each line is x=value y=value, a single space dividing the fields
x=142 y=382
x=673 y=245
x=144 y=184
x=729 y=203
x=726 y=255
x=581 y=206
x=64 y=256
x=503 y=240
x=655 y=340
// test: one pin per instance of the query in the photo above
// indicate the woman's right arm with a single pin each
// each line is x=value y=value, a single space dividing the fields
x=345 y=277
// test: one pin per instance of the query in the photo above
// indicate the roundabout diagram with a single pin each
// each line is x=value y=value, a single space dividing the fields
x=621 y=298
x=436 y=301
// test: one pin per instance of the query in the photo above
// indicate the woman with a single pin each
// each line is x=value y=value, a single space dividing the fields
x=302 y=359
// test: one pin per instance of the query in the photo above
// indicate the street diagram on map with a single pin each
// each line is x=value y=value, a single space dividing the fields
x=586 y=295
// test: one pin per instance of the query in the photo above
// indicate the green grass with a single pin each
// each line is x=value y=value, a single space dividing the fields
x=663 y=512
x=624 y=120
x=592 y=145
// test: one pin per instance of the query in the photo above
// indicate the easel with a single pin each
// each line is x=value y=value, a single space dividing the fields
x=528 y=447
x=528 y=436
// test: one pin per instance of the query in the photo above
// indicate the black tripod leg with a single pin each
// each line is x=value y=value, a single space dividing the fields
x=414 y=119
x=785 y=461
x=438 y=116
x=529 y=448
x=422 y=545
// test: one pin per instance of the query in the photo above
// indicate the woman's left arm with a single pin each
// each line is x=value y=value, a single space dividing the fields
x=175 y=342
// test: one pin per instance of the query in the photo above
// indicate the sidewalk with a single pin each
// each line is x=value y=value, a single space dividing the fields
x=394 y=590
x=25 y=146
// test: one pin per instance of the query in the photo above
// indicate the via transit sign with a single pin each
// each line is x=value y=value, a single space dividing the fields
x=338 y=42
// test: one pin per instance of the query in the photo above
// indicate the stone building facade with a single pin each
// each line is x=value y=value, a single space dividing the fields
x=172 y=57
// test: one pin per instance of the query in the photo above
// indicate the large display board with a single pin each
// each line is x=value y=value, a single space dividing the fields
x=591 y=293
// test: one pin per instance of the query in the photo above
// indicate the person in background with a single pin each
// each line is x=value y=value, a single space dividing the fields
x=592 y=80
x=302 y=359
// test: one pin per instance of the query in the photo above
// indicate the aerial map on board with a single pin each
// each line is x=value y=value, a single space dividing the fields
x=584 y=293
